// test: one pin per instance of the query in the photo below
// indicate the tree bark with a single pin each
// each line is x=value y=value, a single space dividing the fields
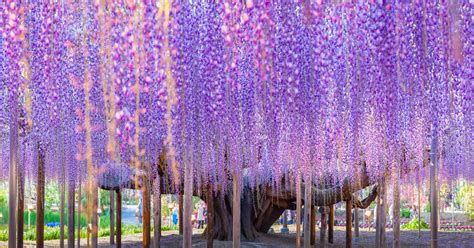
x=40 y=200
x=348 y=223
x=331 y=225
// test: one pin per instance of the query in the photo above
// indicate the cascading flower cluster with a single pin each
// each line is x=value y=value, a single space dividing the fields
x=258 y=88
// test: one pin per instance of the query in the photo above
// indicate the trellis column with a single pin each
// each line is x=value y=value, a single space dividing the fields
x=434 y=191
x=40 y=200
x=331 y=225
x=12 y=182
x=210 y=218
x=348 y=223
x=298 y=211
x=236 y=212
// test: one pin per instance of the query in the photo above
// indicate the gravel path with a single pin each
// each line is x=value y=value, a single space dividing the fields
x=367 y=239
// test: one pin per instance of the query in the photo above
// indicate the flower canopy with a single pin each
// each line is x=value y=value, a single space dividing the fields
x=266 y=88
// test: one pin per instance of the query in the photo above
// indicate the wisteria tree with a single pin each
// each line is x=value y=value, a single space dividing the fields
x=270 y=98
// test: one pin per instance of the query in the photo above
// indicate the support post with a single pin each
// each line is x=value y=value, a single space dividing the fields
x=62 y=195
x=434 y=191
x=118 y=216
x=21 y=204
x=180 y=213
x=95 y=215
x=70 y=211
x=112 y=217
x=307 y=212
x=235 y=212
x=356 y=222
x=331 y=225
x=188 y=205
x=419 y=210
x=381 y=220
x=12 y=182
x=396 y=208
x=313 y=225
x=348 y=223
x=79 y=197
x=40 y=200
x=210 y=218
x=284 y=229
x=324 y=221
x=157 y=212
x=298 y=211
x=146 y=214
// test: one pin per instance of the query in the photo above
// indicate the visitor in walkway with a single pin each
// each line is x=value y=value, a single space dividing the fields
x=200 y=216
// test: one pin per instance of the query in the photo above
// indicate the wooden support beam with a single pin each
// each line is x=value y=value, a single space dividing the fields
x=298 y=211
x=434 y=218
x=79 y=197
x=70 y=210
x=112 y=217
x=313 y=225
x=396 y=207
x=324 y=225
x=356 y=222
x=331 y=225
x=62 y=195
x=235 y=212
x=21 y=205
x=380 y=215
x=95 y=215
x=146 y=214
x=40 y=200
x=307 y=212
x=210 y=218
x=180 y=213
x=188 y=205
x=157 y=212
x=349 y=223
x=12 y=182
x=118 y=216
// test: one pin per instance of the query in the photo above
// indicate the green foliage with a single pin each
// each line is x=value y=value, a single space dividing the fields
x=465 y=199
x=52 y=233
x=427 y=208
x=413 y=224
x=405 y=213
x=4 y=235
x=3 y=197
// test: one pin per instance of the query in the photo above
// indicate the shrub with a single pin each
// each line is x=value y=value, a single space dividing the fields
x=4 y=235
x=413 y=224
x=405 y=213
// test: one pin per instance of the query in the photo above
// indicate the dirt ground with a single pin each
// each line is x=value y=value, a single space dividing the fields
x=366 y=239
